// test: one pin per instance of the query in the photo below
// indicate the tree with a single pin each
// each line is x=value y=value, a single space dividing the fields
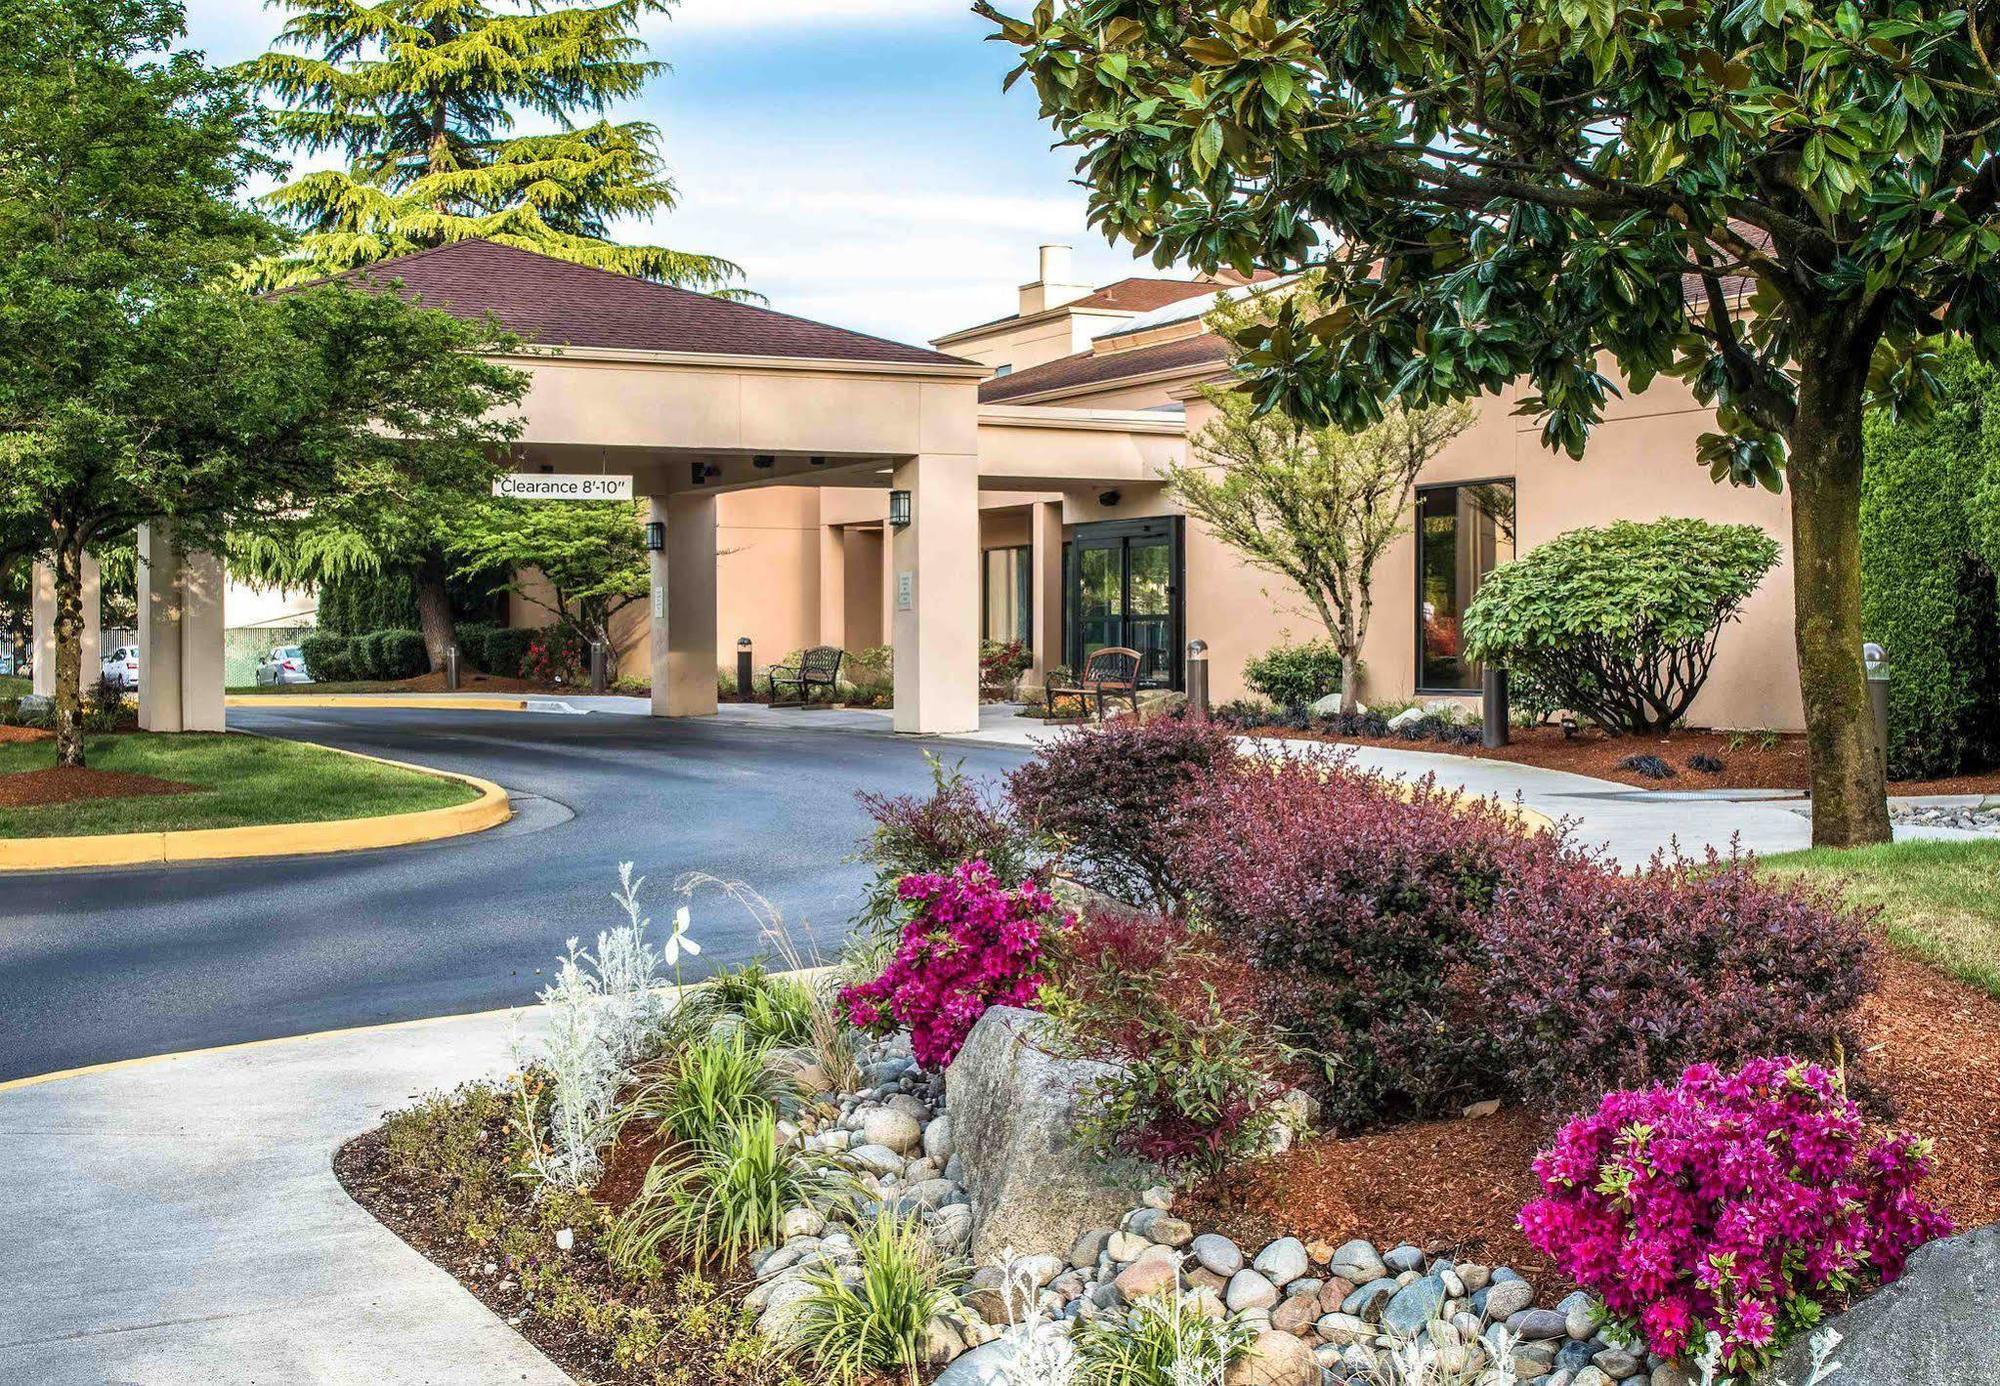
x=1620 y=623
x=592 y=554
x=421 y=96
x=1782 y=203
x=135 y=386
x=1318 y=505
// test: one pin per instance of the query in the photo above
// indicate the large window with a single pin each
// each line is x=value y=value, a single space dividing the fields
x=1006 y=596
x=1463 y=533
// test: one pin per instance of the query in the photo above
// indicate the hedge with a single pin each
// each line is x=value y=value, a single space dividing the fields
x=329 y=657
x=398 y=654
x=1927 y=591
x=362 y=603
x=503 y=649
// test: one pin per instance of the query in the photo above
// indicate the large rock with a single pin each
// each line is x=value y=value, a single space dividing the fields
x=1274 y=1359
x=1013 y=1114
x=1937 y=1326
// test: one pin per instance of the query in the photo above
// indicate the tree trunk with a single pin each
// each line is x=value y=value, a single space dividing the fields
x=434 y=610
x=69 y=652
x=1849 y=791
x=1350 y=682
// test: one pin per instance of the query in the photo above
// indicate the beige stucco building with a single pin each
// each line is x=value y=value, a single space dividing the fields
x=1024 y=460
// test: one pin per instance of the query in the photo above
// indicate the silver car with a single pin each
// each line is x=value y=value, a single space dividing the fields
x=285 y=664
x=121 y=666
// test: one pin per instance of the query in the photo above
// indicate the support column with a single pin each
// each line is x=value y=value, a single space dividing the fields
x=683 y=607
x=180 y=636
x=833 y=586
x=1045 y=542
x=888 y=585
x=92 y=642
x=934 y=595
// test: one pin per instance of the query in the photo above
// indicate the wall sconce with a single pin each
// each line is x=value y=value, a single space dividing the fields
x=899 y=509
x=703 y=471
x=763 y=461
x=1109 y=498
x=656 y=536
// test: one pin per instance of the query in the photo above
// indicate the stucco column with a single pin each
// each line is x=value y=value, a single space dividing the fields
x=1045 y=541
x=44 y=610
x=934 y=595
x=180 y=636
x=833 y=586
x=683 y=607
x=887 y=585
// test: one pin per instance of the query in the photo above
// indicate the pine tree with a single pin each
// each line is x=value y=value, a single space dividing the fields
x=422 y=96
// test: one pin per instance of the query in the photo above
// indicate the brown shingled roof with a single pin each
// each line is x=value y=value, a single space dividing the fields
x=1086 y=370
x=553 y=302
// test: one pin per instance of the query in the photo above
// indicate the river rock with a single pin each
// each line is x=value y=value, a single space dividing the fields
x=1506 y=1298
x=1217 y=1253
x=1357 y=1261
x=1014 y=1109
x=1283 y=1261
x=1274 y=1359
x=1249 y=1289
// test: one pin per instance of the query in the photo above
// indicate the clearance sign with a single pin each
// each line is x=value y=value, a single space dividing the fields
x=557 y=486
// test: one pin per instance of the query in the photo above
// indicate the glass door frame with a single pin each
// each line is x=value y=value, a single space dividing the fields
x=1120 y=534
x=1417 y=559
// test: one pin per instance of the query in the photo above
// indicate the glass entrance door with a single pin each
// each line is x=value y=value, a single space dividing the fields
x=1125 y=589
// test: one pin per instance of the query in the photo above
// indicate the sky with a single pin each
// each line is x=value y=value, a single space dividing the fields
x=856 y=157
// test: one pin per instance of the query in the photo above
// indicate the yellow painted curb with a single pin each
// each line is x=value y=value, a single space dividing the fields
x=489 y=810
x=406 y=700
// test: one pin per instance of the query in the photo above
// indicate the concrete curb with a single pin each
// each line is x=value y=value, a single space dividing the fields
x=404 y=700
x=489 y=810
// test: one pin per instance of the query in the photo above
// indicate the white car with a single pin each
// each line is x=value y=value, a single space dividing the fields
x=285 y=664
x=121 y=666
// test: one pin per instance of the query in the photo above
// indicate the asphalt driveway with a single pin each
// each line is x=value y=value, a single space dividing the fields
x=114 y=964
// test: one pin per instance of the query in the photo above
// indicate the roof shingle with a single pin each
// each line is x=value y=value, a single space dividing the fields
x=1086 y=370
x=552 y=302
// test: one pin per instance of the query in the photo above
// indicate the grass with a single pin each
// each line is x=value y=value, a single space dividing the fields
x=348 y=686
x=244 y=780
x=15 y=686
x=1940 y=900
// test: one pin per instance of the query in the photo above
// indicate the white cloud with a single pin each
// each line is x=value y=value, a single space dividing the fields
x=793 y=14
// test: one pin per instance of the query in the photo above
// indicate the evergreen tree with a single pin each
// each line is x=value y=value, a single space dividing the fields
x=422 y=96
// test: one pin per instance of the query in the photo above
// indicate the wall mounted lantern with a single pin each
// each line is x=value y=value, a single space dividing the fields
x=899 y=509
x=763 y=461
x=656 y=536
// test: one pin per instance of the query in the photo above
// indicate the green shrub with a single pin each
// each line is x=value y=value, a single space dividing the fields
x=400 y=654
x=471 y=637
x=729 y=1200
x=1927 y=578
x=1295 y=675
x=363 y=602
x=722 y=1080
x=330 y=657
x=1162 y=1340
x=505 y=648
x=1620 y=623
x=775 y=1009
x=875 y=1327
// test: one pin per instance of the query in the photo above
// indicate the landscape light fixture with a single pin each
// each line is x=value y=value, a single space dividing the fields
x=763 y=461
x=817 y=460
x=656 y=536
x=1109 y=498
x=899 y=509
x=698 y=472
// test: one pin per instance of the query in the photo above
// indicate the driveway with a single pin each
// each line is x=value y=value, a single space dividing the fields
x=113 y=964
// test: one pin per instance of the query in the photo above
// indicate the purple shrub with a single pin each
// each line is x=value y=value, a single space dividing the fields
x=1734 y=1203
x=1594 y=980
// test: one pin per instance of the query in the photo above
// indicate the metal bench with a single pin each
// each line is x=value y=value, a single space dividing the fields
x=1112 y=672
x=818 y=667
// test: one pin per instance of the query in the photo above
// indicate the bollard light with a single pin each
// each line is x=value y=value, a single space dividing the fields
x=1875 y=667
x=745 y=675
x=1197 y=678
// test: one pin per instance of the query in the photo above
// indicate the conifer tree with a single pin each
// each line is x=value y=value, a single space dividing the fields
x=422 y=97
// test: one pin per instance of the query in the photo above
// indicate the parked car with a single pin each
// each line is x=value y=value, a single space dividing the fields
x=121 y=666
x=286 y=664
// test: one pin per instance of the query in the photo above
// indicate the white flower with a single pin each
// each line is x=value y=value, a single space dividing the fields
x=679 y=940
x=565 y=1239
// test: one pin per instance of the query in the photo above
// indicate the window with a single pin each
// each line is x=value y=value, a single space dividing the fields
x=1006 y=596
x=999 y=371
x=1463 y=533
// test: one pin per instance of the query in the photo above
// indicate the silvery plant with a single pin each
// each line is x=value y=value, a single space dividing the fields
x=603 y=1013
x=1709 y=1361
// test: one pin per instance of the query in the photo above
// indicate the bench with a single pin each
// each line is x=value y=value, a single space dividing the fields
x=1112 y=672
x=818 y=667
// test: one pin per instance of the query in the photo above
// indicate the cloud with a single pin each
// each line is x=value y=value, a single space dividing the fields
x=794 y=14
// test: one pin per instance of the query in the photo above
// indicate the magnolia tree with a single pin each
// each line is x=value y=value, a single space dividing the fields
x=1314 y=503
x=1782 y=203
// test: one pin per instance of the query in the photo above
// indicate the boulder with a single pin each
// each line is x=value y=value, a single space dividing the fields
x=1013 y=1111
x=1000 y=1362
x=1939 y=1325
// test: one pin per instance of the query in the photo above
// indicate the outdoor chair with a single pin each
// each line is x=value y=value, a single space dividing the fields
x=818 y=667
x=1112 y=672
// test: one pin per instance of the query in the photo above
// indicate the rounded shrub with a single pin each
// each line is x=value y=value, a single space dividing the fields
x=400 y=654
x=471 y=637
x=504 y=650
x=1620 y=623
x=330 y=657
x=1295 y=675
x=1595 y=980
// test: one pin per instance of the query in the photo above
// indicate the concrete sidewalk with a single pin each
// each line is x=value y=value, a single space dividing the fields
x=177 y=1220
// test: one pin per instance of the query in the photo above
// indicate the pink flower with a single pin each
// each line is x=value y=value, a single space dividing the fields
x=1716 y=1203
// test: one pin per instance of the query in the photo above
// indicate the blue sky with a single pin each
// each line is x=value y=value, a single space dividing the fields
x=856 y=157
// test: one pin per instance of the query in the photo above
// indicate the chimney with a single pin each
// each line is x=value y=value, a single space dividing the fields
x=1054 y=287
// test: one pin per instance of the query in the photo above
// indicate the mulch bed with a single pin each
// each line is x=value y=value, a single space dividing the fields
x=25 y=733
x=67 y=785
x=1932 y=1054
x=1591 y=752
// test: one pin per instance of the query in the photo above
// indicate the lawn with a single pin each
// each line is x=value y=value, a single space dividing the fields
x=239 y=779
x=1940 y=900
x=15 y=686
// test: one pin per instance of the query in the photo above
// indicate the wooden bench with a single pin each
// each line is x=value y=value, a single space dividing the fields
x=1112 y=672
x=818 y=667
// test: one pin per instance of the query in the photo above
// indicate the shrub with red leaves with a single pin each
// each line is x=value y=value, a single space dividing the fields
x=1364 y=898
x=1107 y=796
x=1595 y=981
